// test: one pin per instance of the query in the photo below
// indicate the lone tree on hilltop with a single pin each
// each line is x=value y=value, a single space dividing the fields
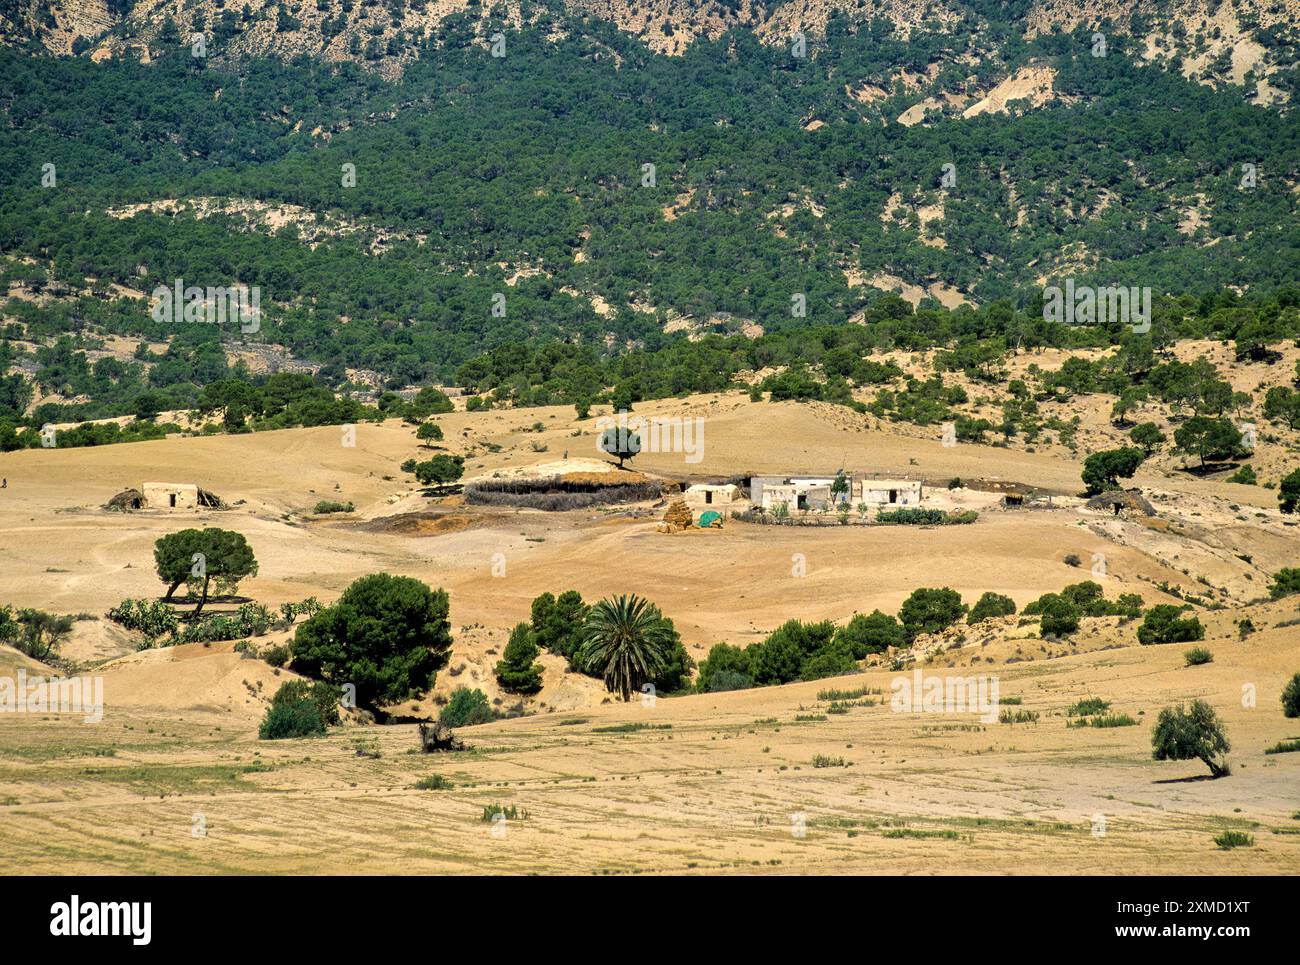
x=173 y=556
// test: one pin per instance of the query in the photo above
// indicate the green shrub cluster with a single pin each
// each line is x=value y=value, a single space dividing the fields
x=466 y=708
x=326 y=506
x=1060 y=613
x=153 y=618
x=301 y=708
x=915 y=516
x=558 y=626
x=991 y=605
x=1163 y=624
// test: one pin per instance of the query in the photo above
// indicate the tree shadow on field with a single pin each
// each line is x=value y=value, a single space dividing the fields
x=1194 y=779
x=1209 y=469
x=212 y=598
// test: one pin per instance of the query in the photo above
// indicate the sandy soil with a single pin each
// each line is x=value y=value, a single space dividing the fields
x=710 y=782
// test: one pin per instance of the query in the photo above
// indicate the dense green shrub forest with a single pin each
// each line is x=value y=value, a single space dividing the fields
x=472 y=169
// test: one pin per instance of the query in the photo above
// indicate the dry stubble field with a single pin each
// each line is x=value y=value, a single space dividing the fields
x=709 y=782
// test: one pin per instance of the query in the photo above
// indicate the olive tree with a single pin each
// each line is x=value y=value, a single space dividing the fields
x=1192 y=734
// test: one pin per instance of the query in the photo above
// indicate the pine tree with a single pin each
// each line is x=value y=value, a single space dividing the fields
x=516 y=670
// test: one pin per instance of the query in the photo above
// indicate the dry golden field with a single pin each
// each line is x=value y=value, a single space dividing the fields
x=709 y=783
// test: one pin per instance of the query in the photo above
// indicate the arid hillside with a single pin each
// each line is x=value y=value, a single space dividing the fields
x=820 y=776
x=1232 y=42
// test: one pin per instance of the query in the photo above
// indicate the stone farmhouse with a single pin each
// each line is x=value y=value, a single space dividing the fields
x=810 y=492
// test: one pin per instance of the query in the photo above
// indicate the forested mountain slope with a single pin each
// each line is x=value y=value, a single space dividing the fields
x=585 y=188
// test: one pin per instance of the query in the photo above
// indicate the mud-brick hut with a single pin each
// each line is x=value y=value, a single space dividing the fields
x=705 y=494
x=163 y=495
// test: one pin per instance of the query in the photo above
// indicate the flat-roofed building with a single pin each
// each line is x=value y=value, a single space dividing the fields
x=160 y=495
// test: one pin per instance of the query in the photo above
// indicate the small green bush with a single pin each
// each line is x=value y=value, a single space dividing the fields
x=300 y=708
x=276 y=656
x=1291 y=698
x=325 y=507
x=1228 y=840
x=1244 y=475
x=821 y=760
x=300 y=719
x=435 y=782
x=1286 y=581
x=1112 y=720
x=845 y=694
x=1018 y=717
x=517 y=670
x=1088 y=706
x=325 y=696
x=1198 y=656
x=466 y=708
x=509 y=812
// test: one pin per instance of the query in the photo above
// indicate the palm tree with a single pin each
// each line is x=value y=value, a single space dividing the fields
x=627 y=641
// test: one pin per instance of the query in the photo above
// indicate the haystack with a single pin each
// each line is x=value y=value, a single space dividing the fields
x=677 y=517
x=126 y=501
x=1130 y=500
